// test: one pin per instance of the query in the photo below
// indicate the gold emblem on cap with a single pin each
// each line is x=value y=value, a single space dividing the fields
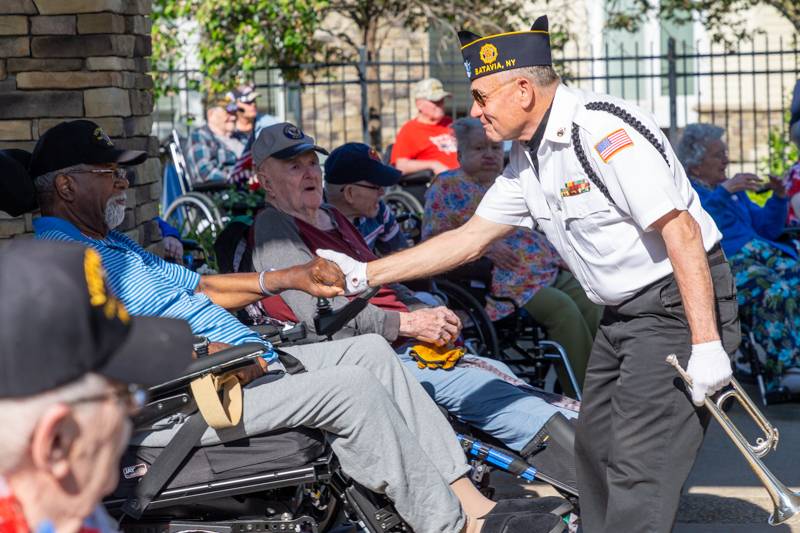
x=101 y=137
x=488 y=53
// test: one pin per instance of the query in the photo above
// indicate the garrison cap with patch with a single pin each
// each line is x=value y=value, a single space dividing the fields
x=59 y=321
x=78 y=142
x=505 y=51
x=282 y=141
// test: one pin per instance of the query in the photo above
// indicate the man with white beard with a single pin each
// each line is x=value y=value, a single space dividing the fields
x=81 y=180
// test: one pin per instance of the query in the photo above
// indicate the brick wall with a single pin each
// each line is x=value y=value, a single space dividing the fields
x=69 y=59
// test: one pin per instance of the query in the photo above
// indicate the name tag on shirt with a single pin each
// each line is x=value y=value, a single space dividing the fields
x=573 y=188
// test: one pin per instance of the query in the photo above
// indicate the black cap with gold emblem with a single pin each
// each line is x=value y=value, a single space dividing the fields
x=78 y=142
x=59 y=321
x=505 y=51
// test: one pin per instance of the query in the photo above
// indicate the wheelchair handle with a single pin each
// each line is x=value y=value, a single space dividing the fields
x=328 y=321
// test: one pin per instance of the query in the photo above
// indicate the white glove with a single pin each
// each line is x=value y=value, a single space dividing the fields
x=710 y=369
x=355 y=272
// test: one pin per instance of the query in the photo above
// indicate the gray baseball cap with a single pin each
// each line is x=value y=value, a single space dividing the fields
x=282 y=141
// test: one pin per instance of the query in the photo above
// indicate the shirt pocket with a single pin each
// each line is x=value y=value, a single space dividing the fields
x=584 y=215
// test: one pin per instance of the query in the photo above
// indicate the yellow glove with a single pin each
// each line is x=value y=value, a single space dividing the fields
x=433 y=357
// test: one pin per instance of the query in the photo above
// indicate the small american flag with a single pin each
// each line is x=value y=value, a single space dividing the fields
x=613 y=143
x=243 y=169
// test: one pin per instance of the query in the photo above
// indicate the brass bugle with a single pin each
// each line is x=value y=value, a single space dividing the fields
x=786 y=504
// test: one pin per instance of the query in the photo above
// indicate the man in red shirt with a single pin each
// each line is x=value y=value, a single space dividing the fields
x=426 y=142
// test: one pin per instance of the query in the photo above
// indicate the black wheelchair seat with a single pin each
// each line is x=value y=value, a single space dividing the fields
x=280 y=450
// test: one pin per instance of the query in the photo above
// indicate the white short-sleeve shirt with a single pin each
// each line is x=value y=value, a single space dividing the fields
x=608 y=245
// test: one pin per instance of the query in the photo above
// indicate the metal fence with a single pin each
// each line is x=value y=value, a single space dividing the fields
x=746 y=91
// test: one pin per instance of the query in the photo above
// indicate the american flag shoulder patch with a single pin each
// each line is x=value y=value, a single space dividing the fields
x=613 y=143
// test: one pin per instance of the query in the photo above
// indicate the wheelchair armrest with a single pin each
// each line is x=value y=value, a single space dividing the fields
x=279 y=335
x=211 y=186
x=211 y=363
x=327 y=322
x=218 y=363
x=416 y=178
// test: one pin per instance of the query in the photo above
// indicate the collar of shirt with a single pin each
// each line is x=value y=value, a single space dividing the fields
x=538 y=135
x=42 y=224
x=565 y=109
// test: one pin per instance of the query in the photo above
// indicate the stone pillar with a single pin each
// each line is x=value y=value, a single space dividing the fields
x=69 y=59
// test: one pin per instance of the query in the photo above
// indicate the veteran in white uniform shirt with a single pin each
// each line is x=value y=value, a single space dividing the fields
x=600 y=179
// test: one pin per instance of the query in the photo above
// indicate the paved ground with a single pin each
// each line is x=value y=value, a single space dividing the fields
x=722 y=494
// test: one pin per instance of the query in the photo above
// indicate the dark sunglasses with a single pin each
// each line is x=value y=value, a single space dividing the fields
x=481 y=99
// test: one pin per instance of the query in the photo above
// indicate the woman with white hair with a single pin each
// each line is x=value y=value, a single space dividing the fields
x=767 y=272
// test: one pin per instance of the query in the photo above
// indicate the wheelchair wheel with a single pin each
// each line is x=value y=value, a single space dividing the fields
x=478 y=332
x=194 y=215
x=402 y=202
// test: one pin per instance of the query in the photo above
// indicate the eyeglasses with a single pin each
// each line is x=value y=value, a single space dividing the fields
x=373 y=187
x=118 y=174
x=132 y=397
x=481 y=98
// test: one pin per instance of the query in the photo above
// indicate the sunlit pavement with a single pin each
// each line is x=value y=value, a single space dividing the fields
x=722 y=494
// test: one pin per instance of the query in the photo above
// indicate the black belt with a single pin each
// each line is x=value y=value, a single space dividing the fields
x=715 y=257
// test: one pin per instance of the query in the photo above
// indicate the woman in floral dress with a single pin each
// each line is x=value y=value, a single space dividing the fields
x=767 y=272
x=527 y=269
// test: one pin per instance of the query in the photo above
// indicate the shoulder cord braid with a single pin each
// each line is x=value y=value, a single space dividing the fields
x=626 y=117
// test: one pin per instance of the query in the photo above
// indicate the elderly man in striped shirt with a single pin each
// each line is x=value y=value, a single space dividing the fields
x=354 y=389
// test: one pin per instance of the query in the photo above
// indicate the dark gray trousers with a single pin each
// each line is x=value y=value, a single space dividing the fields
x=638 y=432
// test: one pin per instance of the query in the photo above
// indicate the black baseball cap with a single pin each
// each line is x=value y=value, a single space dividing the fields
x=354 y=162
x=78 y=142
x=59 y=321
x=17 y=194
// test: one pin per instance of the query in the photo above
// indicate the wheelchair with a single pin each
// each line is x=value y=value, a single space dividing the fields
x=516 y=340
x=187 y=206
x=754 y=356
x=556 y=467
x=286 y=480
x=407 y=198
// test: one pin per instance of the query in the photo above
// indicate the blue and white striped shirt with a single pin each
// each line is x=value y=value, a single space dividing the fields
x=150 y=286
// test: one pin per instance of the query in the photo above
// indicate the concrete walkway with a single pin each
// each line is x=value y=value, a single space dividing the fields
x=722 y=494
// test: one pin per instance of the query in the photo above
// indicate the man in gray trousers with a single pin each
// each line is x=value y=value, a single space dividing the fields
x=387 y=433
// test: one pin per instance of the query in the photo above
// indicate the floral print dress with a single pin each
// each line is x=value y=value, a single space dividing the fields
x=451 y=200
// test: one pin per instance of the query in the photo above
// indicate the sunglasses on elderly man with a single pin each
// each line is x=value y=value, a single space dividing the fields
x=482 y=98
